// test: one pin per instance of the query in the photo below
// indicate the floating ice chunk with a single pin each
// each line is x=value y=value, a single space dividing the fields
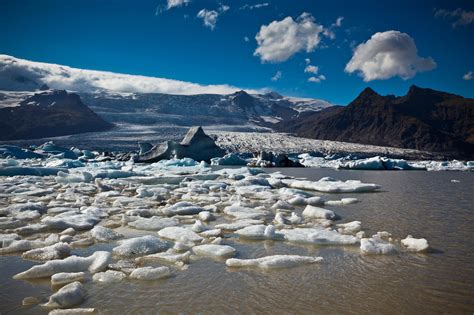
x=331 y=185
x=273 y=262
x=198 y=227
x=30 y=171
x=380 y=163
x=142 y=245
x=343 y=201
x=258 y=232
x=211 y=233
x=280 y=204
x=297 y=201
x=6 y=239
x=179 y=233
x=214 y=251
x=109 y=276
x=229 y=159
x=24 y=245
x=153 y=223
x=81 y=177
x=280 y=219
x=103 y=234
x=63 y=278
x=312 y=212
x=182 y=208
x=18 y=153
x=376 y=245
x=74 y=311
x=96 y=262
x=150 y=273
x=415 y=244
x=25 y=207
x=64 y=163
x=240 y=212
x=349 y=227
x=239 y=224
x=69 y=295
x=205 y=216
x=56 y=251
x=71 y=219
x=317 y=236
x=295 y=219
x=169 y=256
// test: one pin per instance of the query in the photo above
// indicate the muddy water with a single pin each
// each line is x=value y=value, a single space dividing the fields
x=424 y=204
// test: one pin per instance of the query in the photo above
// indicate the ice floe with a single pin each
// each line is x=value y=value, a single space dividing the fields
x=179 y=233
x=142 y=245
x=103 y=234
x=150 y=273
x=415 y=244
x=63 y=278
x=69 y=295
x=109 y=276
x=215 y=251
x=318 y=213
x=273 y=262
x=56 y=251
x=377 y=245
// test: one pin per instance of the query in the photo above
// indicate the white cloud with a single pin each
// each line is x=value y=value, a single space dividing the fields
x=338 y=21
x=246 y=39
x=307 y=60
x=386 y=55
x=172 y=4
x=468 y=76
x=317 y=79
x=311 y=69
x=209 y=17
x=459 y=16
x=72 y=79
x=280 y=40
x=254 y=6
x=277 y=76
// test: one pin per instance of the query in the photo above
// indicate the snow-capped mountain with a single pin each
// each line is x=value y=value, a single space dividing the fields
x=121 y=98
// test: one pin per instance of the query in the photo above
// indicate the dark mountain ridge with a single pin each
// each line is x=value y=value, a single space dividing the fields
x=49 y=114
x=423 y=119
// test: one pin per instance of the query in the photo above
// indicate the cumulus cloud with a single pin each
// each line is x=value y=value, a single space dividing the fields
x=317 y=79
x=277 y=76
x=280 y=40
x=254 y=6
x=209 y=17
x=468 y=76
x=311 y=69
x=20 y=74
x=459 y=16
x=386 y=55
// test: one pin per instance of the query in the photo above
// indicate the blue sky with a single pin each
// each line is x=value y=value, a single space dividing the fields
x=146 y=38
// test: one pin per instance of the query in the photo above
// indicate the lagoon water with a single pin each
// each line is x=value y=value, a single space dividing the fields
x=424 y=204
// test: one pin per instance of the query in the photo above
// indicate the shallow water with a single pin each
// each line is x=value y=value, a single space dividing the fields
x=424 y=204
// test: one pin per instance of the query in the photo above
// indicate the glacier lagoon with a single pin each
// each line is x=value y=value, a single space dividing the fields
x=344 y=280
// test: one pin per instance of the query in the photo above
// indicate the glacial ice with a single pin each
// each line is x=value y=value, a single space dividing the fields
x=69 y=295
x=214 y=251
x=273 y=262
x=142 y=245
x=150 y=273
x=415 y=244
x=96 y=262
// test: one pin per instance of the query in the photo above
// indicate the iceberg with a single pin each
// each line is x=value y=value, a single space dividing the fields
x=273 y=262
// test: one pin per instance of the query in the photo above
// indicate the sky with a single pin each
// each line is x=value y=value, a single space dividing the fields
x=330 y=50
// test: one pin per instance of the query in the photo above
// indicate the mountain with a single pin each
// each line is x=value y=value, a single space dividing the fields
x=46 y=114
x=139 y=100
x=423 y=119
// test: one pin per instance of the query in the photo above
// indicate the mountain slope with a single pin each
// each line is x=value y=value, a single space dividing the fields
x=48 y=114
x=424 y=119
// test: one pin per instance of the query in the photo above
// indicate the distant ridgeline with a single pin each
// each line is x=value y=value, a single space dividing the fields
x=424 y=119
x=48 y=114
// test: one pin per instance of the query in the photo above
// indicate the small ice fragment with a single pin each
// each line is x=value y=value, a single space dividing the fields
x=153 y=223
x=56 y=251
x=69 y=295
x=376 y=245
x=415 y=244
x=63 y=278
x=205 y=216
x=109 y=276
x=103 y=234
x=257 y=232
x=198 y=227
x=213 y=250
x=179 y=233
x=150 y=273
x=137 y=246
x=74 y=311
x=349 y=227
x=313 y=212
x=273 y=262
